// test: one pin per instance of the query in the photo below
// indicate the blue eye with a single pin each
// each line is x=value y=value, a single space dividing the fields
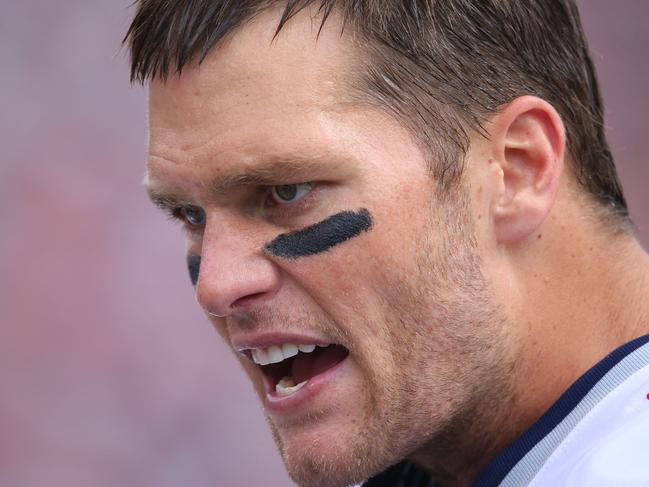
x=290 y=193
x=193 y=215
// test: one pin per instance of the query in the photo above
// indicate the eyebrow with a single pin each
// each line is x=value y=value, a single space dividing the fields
x=277 y=171
x=280 y=171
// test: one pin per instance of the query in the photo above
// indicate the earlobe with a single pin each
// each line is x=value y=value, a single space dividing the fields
x=529 y=143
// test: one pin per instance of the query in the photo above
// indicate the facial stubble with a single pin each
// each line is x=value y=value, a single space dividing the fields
x=449 y=356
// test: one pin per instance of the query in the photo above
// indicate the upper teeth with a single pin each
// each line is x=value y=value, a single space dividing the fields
x=277 y=353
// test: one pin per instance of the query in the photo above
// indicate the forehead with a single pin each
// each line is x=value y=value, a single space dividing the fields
x=253 y=93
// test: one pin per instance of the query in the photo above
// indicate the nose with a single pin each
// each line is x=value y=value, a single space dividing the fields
x=234 y=274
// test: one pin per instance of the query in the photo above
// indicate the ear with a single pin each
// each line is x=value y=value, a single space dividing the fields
x=528 y=143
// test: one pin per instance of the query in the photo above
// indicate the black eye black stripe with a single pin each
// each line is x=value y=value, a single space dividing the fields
x=194 y=267
x=321 y=236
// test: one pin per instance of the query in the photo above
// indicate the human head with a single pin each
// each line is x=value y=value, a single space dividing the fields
x=440 y=66
x=418 y=317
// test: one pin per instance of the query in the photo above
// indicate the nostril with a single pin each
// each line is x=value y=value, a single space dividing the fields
x=248 y=300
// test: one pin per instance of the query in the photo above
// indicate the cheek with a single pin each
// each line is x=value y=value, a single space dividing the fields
x=333 y=279
x=356 y=272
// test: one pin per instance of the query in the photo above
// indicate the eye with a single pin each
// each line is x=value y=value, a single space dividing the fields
x=193 y=215
x=289 y=193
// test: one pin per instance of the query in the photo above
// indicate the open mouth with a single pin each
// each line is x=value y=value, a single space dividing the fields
x=289 y=367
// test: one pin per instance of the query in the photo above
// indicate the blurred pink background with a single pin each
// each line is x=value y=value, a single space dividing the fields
x=109 y=374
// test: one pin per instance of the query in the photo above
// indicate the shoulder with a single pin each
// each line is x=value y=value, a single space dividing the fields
x=609 y=446
x=620 y=457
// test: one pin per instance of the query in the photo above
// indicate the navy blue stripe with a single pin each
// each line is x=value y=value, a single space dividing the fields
x=500 y=466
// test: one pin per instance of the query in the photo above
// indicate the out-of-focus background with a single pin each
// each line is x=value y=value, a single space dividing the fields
x=109 y=374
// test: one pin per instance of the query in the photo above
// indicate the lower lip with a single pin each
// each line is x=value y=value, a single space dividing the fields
x=286 y=405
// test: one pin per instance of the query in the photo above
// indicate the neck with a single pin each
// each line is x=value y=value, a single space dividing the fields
x=584 y=300
x=579 y=293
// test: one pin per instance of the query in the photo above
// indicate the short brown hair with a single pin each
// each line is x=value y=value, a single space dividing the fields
x=440 y=66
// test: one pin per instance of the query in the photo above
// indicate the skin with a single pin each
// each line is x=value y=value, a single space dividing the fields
x=464 y=317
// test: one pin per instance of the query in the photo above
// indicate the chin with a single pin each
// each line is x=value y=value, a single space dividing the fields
x=315 y=469
x=339 y=456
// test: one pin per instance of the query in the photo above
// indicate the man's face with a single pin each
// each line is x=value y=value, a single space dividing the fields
x=259 y=143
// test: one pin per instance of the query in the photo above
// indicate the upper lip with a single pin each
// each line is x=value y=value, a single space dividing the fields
x=243 y=342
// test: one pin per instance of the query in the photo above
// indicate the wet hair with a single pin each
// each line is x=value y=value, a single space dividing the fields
x=442 y=67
